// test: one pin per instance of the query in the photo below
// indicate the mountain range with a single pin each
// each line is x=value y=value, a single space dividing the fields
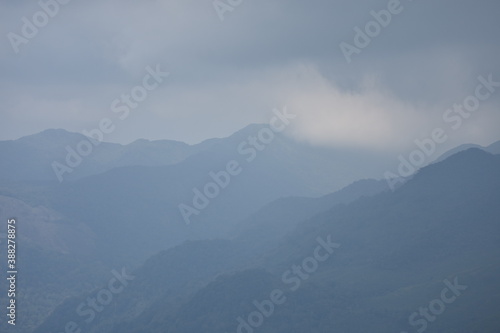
x=120 y=207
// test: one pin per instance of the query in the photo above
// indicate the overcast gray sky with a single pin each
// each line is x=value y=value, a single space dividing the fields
x=227 y=74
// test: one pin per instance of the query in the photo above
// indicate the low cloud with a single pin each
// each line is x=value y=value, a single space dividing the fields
x=225 y=75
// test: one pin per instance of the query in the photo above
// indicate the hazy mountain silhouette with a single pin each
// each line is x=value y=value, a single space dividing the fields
x=31 y=157
x=396 y=249
x=493 y=148
x=130 y=194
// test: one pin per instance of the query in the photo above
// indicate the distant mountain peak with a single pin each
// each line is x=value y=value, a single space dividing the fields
x=457 y=168
x=51 y=136
x=468 y=154
x=56 y=133
x=493 y=148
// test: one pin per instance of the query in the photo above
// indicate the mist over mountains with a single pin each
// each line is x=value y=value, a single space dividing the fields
x=116 y=219
x=232 y=166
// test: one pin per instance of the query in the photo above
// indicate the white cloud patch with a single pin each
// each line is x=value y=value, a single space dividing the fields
x=369 y=117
